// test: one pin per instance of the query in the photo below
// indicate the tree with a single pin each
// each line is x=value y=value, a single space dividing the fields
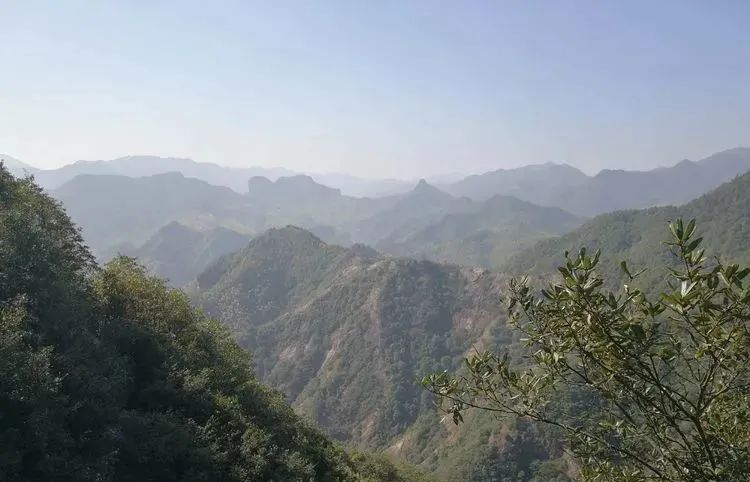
x=667 y=377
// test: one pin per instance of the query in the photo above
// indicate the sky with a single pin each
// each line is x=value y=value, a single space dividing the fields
x=381 y=88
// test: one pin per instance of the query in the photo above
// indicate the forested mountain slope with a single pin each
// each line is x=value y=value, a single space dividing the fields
x=347 y=333
x=723 y=220
x=486 y=235
x=331 y=327
x=107 y=375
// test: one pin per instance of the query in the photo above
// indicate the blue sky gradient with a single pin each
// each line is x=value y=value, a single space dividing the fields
x=375 y=88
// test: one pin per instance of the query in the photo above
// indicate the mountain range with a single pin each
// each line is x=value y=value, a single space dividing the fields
x=425 y=222
x=344 y=313
x=563 y=186
x=141 y=166
x=346 y=332
x=232 y=177
x=120 y=214
x=549 y=184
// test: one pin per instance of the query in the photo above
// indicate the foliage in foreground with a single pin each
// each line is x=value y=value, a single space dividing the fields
x=668 y=376
x=105 y=374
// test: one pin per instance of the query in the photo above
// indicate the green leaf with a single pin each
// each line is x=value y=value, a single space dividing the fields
x=637 y=331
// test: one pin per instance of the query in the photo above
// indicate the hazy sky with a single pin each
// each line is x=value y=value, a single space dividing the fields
x=379 y=88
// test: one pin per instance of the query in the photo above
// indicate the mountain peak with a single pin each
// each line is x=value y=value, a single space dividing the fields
x=424 y=188
x=15 y=166
x=288 y=234
x=289 y=186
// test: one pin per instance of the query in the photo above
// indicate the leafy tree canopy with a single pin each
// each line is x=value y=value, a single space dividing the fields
x=667 y=376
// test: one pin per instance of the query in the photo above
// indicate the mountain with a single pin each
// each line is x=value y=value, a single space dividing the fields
x=485 y=236
x=114 y=211
x=120 y=212
x=141 y=166
x=537 y=183
x=346 y=333
x=612 y=190
x=301 y=201
x=722 y=216
x=16 y=167
x=565 y=187
x=108 y=375
x=232 y=177
x=178 y=254
x=421 y=206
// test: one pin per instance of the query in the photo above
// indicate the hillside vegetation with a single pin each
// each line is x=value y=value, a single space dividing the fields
x=346 y=333
x=722 y=215
x=107 y=375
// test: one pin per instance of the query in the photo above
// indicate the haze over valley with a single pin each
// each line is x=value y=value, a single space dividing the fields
x=385 y=241
x=479 y=220
x=323 y=287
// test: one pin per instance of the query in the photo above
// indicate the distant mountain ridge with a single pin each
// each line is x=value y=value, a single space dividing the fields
x=119 y=212
x=16 y=167
x=548 y=184
x=233 y=177
x=564 y=186
x=485 y=235
x=612 y=190
x=536 y=183
x=141 y=166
